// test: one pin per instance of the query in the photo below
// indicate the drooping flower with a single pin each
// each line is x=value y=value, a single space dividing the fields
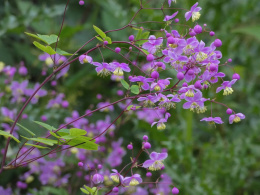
x=167 y=17
x=168 y=101
x=160 y=84
x=226 y=86
x=49 y=59
x=40 y=93
x=116 y=177
x=106 y=105
x=196 y=102
x=119 y=68
x=18 y=91
x=194 y=13
x=236 y=118
x=156 y=162
x=85 y=59
x=103 y=69
x=97 y=178
x=160 y=123
x=133 y=180
x=142 y=81
x=213 y=120
x=153 y=44
x=148 y=100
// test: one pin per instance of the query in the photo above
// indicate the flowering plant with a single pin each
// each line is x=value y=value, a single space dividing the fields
x=156 y=74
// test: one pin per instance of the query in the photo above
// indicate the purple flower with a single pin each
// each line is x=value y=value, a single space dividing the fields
x=103 y=69
x=156 y=161
x=116 y=177
x=188 y=91
x=85 y=59
x=133 y=180
x=236 y=118
x=213 y=120
x=194 y=13
x=118 y=68
x=115 y=157
x=153 y=44
x=9 y=71
x=49 y=59
x=23 y=70
x=196 y=102
x=116 y=77
x=149 y=100
x=6 y=191
x=160 y=84
x=40 y=93
x=177 y=61
x=97 y=178
x=56 y=102
x=107 y=106
x=160 y=123
x=150 y=115
x=167 y=18
x=10 y=114
x=168 y=103
x=79 y=123
x=18 y=91
x=62 y=72
x=188 y=46
x=226 y=86
x=142 y=81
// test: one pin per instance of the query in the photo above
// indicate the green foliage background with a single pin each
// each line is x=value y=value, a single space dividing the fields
x=202 y=159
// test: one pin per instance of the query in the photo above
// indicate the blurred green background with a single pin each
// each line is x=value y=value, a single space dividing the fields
x=202 y=159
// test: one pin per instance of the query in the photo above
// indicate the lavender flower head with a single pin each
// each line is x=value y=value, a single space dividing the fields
x=133 y=180
x=194 y=13
x=226 y=86
x=236 y=118
x=156 y=162
x=97 y=178
x=153 y=44
x=85 y=59
x=213 y=120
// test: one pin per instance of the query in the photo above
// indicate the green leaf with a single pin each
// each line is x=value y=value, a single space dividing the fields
x=135 y=89
x=143 y=36
x=63 y=53
x=249 y=30
x=75 y=131
x=99 y=31
x=68 y=137
x=34 y=36
x=54 y=134
x=146 y=52
x=84 y=190
x=129 y=107
x=4 y=133
x=49 y=39
x=88 y=145
x=108 y=39
x=99 y=38
x=24 y=128
x=46 y=49
x=139 y=34
x=46 y=126
x=124 y=83
x=88 y=188
x=36 y=146
x=63 y=132
x=46 y=141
